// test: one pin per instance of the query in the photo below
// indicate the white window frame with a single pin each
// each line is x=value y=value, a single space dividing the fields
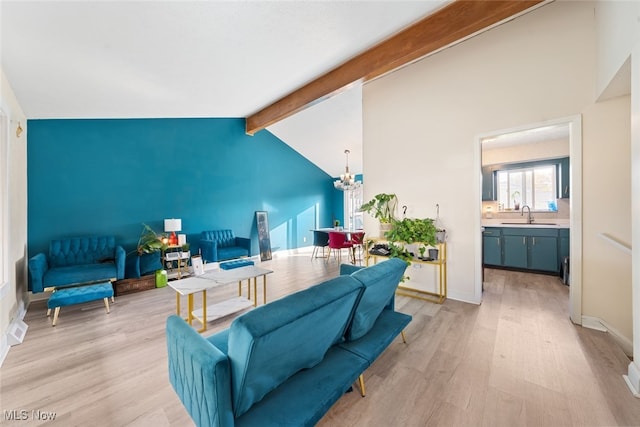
x=523 y=197
x=353 y=218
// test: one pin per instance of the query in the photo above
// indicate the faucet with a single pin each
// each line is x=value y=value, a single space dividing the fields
x=529 y=218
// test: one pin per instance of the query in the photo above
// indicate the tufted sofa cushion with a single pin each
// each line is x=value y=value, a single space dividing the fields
x=221 y=245
x=77 y=260
x=225 y=238
x=200 y=373
x=81 y=250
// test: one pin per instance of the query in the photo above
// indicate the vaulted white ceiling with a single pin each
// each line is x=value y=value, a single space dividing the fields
x=132 y=59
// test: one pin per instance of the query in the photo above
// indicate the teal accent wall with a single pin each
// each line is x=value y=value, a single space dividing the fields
x=108 y=176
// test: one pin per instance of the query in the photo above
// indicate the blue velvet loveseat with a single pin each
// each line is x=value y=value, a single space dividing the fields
x=220 y=245
x=77 y=260
x=287 y=362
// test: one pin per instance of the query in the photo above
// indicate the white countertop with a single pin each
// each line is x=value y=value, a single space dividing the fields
x=542 y=223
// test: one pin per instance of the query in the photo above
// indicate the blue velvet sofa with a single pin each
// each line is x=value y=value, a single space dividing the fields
x=77 y=260
x=287 y=362
x=220 y=245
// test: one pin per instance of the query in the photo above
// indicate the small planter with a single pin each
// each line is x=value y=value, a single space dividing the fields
x=433 y=254
x=384 y=227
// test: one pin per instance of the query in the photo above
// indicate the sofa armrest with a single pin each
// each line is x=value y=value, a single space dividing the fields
x=38 y=266
x=200 y=374
x=209 y=250
x=120 y=260
x=245 y=243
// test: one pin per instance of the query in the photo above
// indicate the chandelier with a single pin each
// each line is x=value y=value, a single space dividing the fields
x=346 y=181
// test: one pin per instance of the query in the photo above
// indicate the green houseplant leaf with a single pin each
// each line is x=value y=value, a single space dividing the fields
x=149 y=241
x=382 y=207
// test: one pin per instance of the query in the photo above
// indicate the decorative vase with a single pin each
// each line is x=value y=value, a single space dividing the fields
x=433 y=254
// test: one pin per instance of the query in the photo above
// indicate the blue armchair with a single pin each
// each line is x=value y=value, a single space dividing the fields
x=77 y=260
x=220 y=245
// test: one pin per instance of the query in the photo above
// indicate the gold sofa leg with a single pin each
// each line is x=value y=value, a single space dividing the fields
x=361 y=382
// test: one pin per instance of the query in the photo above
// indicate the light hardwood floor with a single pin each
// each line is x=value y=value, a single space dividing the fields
x=515 y=360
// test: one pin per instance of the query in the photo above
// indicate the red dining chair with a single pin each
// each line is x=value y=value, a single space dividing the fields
x=338 y=241
x=357 y=240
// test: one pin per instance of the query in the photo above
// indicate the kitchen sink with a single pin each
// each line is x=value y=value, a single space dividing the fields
x=533 y=223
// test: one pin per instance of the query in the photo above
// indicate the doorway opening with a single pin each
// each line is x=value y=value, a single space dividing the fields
x=532 y=175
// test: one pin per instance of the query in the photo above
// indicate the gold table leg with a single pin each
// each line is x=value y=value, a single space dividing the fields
x=204 y=311
x=177 y=303
x=255 y=291
x=190 y=309
x=264 y=288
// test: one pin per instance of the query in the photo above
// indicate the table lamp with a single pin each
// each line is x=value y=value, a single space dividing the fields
x=172 y=225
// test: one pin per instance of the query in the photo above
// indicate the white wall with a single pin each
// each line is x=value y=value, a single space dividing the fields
x=618 y=31
x=526 y=152
x=13 y=295
x=421 y=122
x=618 y=24
x=607 y=213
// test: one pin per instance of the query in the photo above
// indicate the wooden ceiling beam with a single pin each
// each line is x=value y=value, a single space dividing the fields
x=453 y=22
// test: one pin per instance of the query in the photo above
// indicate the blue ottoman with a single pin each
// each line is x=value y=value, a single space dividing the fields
x=78 y=295
x=230 y=265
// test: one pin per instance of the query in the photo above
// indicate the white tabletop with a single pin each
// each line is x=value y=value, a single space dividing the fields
x=213 y=278
x=342 y=231
x=235 y=274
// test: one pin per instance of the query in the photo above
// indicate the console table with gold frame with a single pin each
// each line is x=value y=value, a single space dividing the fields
x=440 y=264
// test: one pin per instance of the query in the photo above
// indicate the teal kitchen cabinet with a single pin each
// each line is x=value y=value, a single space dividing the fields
x=492 y=247
x=543 y=253
x=531 y=248
x=515 y=251
x=488 y=184
x=563 y=244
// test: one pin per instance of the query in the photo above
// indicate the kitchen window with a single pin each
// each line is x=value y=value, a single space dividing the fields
x=533 y=186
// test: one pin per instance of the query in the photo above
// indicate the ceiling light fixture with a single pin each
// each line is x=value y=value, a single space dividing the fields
x=346 y=181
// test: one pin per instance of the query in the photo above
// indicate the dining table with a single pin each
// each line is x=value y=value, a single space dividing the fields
x=346 y=231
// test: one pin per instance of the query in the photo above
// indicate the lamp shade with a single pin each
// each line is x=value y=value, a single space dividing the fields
x=172 y=224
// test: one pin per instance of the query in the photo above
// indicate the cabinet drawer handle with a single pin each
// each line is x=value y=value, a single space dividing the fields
x=534 y=241
x=524 y=240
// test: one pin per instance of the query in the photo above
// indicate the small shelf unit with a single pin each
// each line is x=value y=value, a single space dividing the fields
x=440 y=264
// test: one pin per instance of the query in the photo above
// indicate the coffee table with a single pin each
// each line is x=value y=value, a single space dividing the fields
x=214 y=278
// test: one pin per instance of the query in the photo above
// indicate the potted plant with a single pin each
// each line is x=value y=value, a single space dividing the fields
x=149 y=241
x=516 y=200
x=382 y=207
x=407 y=231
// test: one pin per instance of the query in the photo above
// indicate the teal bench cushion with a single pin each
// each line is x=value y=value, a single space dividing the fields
x=70 y=296
x=305 y=397
x=77 y=274
x=380 y=281
x=274 y=341
x=230 y=265
x=387 y=327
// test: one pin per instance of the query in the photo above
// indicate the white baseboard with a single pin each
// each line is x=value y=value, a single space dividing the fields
x=633 y=379
x=15 y=333
x=600 y=325
x=4 y=348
